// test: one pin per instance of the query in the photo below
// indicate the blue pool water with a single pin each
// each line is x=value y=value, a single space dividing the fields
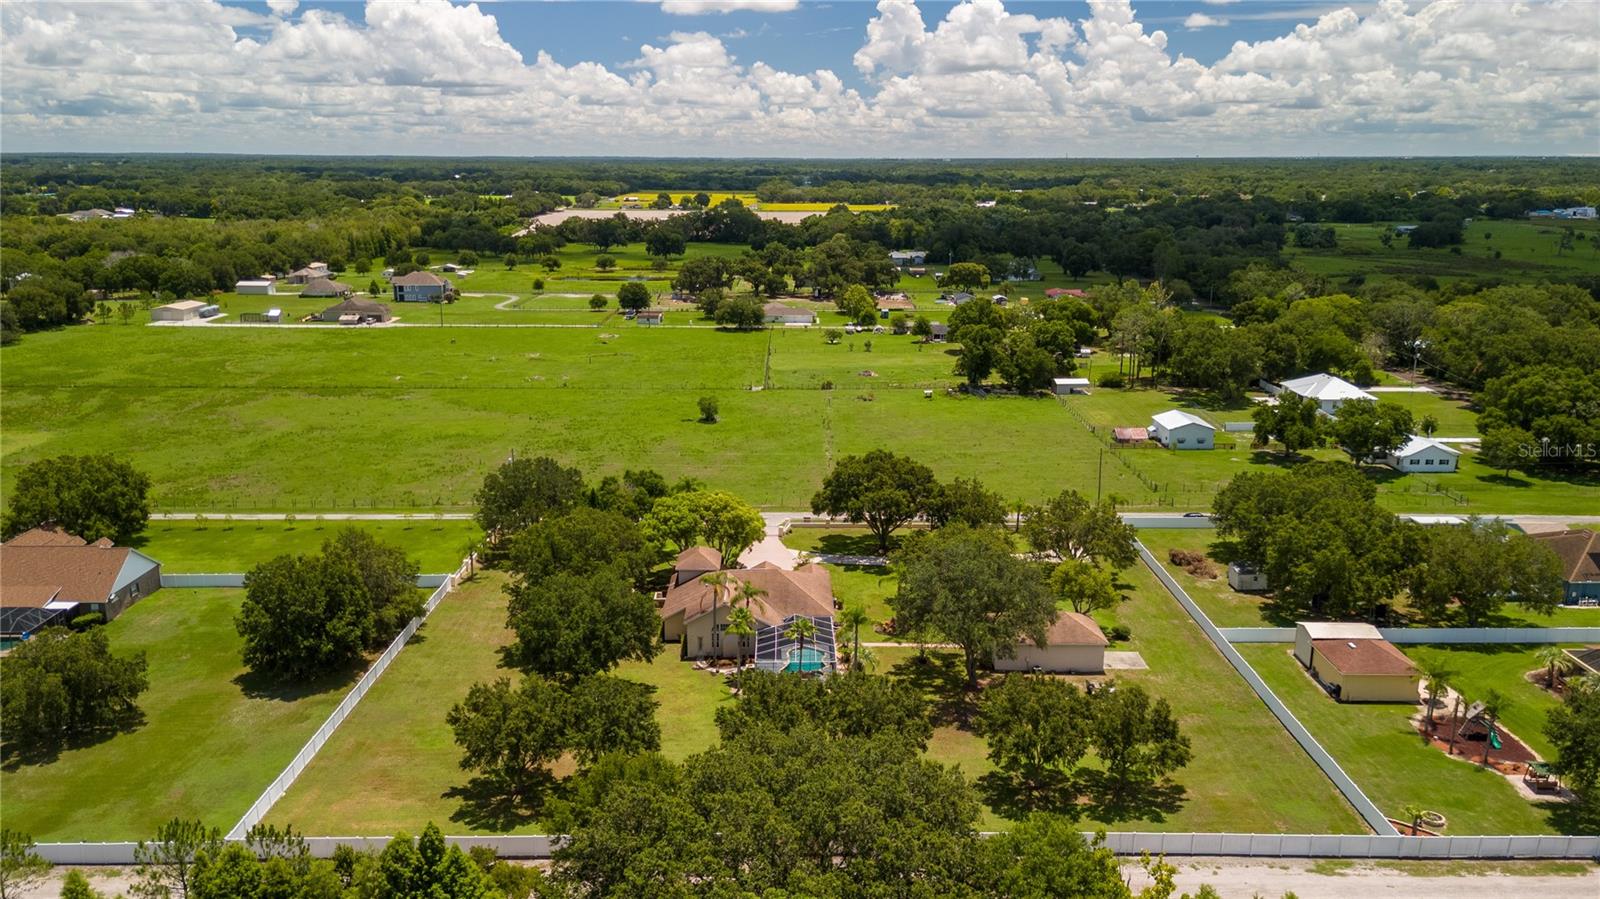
x=804 y=660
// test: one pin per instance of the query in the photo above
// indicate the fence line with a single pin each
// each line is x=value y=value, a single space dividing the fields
x=1364 y=806
x=236 y=579
x=286 y=778
x=1256 y=845
x=1414 y=635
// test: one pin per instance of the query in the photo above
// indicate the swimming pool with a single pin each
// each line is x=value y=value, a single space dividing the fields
x=805 y=660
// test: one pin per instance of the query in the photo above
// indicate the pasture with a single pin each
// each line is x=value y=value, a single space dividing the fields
x=212 y=738
x=409 y=419
x=221 y=545
x=1529 y=252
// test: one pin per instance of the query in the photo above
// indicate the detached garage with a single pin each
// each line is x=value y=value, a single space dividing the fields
x=1073 y=645
x=1355 y=663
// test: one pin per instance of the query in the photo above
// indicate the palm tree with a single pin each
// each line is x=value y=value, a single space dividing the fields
x=1455 y=720
x=718 y=581
x=741 y=624
x=800 y=630
x=1437 y=681
x=853 y=618
x=1557 y=665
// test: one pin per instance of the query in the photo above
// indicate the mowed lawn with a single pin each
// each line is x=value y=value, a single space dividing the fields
x=1478 y=669
x=1247 y=774
x=394 y=764
x=214 y=545
x=1377 y=747
x=211 y=741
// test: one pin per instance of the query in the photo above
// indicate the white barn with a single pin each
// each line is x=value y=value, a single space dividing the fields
x=1423 y=454
x=254 y=287
x=1329 y=391
x=1176 y=429
x=1064 y=386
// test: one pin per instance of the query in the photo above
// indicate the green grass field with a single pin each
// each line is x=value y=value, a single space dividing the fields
x=211 y=741
x=1377 y=747
x=394 y=761
x=1529 y=252
x=213 y=545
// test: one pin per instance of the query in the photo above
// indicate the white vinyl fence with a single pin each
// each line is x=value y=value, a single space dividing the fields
x=236 y=579
x=1413 y=635
x=1368 y=811
x=281 y=784
x=1254 y=845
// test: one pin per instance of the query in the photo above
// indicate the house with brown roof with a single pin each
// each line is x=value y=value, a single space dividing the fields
x=694 y=610
x=1074 y=644
x=326 y=287
x=49 y=577
x=1579 y=552
x=422 y=287
x=1354 y=663
x=356 y=311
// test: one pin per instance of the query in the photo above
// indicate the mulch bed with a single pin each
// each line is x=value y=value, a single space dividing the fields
x=1512 y=757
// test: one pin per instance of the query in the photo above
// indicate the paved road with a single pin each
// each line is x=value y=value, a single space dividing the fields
x=1234 y=877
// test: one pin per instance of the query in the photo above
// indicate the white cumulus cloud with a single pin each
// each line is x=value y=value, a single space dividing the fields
x=1198 y=20
x=702 y=7
x=430 y=76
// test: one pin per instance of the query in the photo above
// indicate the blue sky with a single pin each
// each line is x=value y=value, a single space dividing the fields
x=968 y=78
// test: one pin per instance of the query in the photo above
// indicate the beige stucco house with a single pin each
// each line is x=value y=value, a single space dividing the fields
x=1073 y=645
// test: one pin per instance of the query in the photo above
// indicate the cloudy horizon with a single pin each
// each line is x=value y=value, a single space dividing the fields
x=696 y=78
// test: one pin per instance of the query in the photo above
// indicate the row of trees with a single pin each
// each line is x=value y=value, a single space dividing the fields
x=1329 y=550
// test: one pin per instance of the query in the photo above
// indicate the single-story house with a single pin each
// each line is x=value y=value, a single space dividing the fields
x=49 y=577
x=908 y=258
x=1329 y=391
x=356 y=311
x=650 y=317
x=694 y=613
x=1423 y=454
x=181 y=311
x=1355 y=663
x=1074 y=644
x=308 y=274
x=1247 y=577
x=85 y=215
x=938 y=332
x=1061 y=386
x=1130 y=435
x=255 y=286
x=1177 y=429
x=956 y=299
x=422 y=287
x=1579 y=552
x=326 y=287
x=1588 y=659
x=777 y=313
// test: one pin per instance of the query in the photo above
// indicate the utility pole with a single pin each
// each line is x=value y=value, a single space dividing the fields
x=1100 y=478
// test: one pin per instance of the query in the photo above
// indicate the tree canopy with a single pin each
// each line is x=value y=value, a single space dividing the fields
x=879 y=489
x=88 y=496
x=522 y=491
x=60 y=687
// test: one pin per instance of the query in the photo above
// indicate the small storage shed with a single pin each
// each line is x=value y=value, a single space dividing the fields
x=1073 y=645
x=1063 y=386
x=1176 y=429
x=181 y=311
x=650 y=317
x=1245 y=577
